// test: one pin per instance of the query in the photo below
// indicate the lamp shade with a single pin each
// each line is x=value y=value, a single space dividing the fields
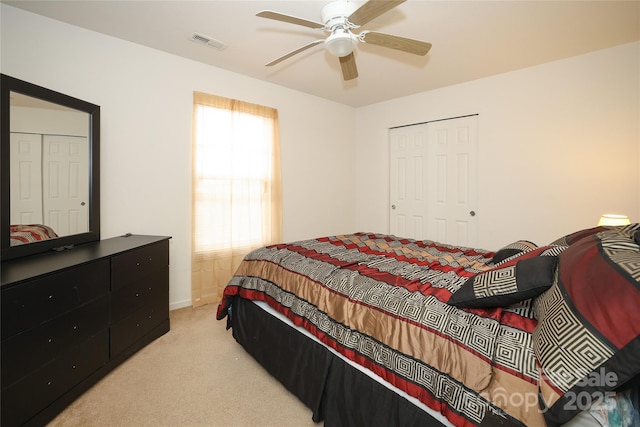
x=340 y=43
x=614 y=219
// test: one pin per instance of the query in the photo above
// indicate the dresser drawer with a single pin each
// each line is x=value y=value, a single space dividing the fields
x=25 y=352
x=24 y=399
x=152 y=288
x=130 y=329
x=138 y=264
x=28 y=305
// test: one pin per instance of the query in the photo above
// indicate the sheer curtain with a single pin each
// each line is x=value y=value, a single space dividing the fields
x=237 y=198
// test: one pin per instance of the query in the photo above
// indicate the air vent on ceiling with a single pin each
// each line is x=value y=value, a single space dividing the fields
x=209 y=41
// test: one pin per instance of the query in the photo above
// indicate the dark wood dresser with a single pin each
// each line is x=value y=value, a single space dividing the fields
x=69 y=318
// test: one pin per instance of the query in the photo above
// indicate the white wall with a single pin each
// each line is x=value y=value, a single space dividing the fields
x=146 y=105
x=559 y=144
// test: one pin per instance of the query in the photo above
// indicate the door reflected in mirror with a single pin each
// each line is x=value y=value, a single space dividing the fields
x=49 y=170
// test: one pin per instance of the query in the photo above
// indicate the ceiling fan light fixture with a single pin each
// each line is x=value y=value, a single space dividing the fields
x=341 y=43
x=339 y=19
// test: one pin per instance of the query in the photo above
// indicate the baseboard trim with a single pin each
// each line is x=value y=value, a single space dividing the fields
x=179 y=304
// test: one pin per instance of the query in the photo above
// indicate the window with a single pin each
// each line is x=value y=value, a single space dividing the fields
x=236 y=185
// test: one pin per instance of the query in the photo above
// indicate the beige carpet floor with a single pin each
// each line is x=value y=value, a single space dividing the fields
x=195 y=375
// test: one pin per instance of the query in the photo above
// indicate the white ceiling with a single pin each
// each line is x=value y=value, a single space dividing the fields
x=471 y=39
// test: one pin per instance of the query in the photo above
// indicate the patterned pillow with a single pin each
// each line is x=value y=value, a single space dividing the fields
x=512 y=249
x=522 y=277
x=572 y=238
x=587 y=341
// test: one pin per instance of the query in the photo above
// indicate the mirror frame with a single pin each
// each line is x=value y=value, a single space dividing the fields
x=10 y=84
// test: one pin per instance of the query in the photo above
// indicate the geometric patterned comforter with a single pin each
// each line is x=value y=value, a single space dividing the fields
x=20 y=234
x=381 y=301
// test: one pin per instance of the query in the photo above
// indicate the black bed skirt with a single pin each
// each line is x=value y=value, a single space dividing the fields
x=337 y=393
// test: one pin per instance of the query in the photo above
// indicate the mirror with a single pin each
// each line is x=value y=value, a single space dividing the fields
x=50 y=159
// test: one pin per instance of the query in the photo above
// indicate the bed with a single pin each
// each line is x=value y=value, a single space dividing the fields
x=375 y=330
x=28 y=233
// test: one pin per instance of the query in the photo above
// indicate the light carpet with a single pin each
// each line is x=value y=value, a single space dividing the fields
x=195 y=375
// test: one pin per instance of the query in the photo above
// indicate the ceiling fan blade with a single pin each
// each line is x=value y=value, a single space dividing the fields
x=371 y=10
x=348 y=65
x=415 y=47
x=288 y=18
x=290 y=54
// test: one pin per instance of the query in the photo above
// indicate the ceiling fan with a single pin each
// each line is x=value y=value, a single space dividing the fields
x=339 y=18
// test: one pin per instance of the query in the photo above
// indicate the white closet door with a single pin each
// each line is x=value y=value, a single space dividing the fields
x=25 y=166
x=66 y=183
x=407 y=168
x=433 y=191
x=452 y=181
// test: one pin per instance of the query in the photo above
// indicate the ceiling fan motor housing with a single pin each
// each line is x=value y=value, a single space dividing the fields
x=336 y=13
x=341 y=41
